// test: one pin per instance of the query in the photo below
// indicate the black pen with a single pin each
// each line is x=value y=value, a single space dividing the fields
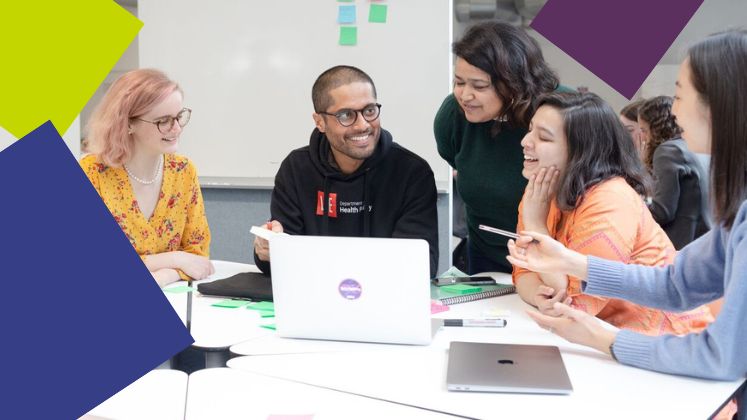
x=486 y=322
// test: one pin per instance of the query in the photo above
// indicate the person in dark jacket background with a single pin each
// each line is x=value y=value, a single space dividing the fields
x=680 y=200
x=352 y=179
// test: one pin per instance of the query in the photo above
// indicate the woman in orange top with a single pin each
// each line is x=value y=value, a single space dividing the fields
x=585 y=187
x=153 y=194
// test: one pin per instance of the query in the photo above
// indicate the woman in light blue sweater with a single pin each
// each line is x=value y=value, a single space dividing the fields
x=710 y=106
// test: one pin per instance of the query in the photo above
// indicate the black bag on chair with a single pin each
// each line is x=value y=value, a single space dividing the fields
x=254 y=286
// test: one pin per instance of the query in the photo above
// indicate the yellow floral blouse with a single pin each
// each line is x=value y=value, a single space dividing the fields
x=178 y=222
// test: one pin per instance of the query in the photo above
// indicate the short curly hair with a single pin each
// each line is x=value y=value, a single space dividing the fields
x=657 y=113
x=514 y=62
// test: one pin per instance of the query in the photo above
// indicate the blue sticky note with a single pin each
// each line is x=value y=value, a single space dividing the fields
x=346 y=14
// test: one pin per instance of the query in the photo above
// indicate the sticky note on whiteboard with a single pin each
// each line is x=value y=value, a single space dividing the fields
x=346 y=14
x=348 y=35
x=377 y=13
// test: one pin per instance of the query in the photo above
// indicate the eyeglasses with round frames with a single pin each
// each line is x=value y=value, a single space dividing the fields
x=347 y=117
x=166 y=124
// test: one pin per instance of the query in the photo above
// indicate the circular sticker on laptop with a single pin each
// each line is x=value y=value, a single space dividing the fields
x=350 y=289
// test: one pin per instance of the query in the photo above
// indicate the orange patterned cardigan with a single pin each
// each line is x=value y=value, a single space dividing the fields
x=613 y=222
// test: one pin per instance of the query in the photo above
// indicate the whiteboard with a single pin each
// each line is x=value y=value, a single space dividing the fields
x=247 y=68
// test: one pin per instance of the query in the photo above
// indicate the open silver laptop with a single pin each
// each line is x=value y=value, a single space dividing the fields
x=351 y=289
x=487 y=367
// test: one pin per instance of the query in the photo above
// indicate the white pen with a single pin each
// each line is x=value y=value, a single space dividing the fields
x=499 y=231
x=485 y=322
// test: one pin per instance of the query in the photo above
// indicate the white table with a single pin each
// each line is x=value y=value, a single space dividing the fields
x=223 y=393
x=159 y=394
x=416 y=375
x=216 y=329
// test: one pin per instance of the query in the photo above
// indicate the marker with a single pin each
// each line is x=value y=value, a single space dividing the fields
x=486 y=322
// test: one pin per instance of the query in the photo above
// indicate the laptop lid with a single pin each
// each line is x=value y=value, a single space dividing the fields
x=488 y=367
x=351 y=289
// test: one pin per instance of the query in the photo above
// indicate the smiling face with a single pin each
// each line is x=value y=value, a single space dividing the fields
x=693 y=116
x=545 y=144
x=354 y=144
x=147 y=139
x=475 y=93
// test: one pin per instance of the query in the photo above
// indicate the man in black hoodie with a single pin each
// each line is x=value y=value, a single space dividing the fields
x=352 y=179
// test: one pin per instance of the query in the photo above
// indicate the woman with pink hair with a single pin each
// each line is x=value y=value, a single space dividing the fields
x=153 y=193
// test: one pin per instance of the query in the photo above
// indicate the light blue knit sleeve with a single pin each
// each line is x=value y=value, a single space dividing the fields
x=696 y=277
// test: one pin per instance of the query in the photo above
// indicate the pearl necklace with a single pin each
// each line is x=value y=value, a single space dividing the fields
x=142 y=181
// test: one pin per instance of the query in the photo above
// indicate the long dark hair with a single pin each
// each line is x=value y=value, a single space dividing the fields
x=517 y=69
x=657 y=112
x=599 y=147
x=718 y=66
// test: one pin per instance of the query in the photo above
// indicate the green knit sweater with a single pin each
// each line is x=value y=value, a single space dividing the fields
x=489 y=174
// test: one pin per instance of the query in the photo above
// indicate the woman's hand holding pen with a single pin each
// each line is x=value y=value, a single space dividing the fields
x=542 y=254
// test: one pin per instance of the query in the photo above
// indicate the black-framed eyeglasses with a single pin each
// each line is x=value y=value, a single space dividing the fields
x=165 y=124
x=347 y=117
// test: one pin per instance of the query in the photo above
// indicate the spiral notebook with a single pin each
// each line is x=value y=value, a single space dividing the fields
x=487 y=291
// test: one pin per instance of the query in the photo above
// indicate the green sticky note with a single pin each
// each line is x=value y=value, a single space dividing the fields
x=377 y=13
x=267 y=314
x=230 y=303
x=261 y=306
x=348 y=35
x=179 y=289
x=461 y=289
x=268 y=326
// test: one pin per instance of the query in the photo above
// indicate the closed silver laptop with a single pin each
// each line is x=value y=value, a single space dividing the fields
x=352 y=289
x=487 y=367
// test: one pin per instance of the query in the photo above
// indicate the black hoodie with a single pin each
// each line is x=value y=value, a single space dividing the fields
x=391 y=195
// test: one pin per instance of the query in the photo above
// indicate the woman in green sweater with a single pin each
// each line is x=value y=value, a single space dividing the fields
x=499 y=72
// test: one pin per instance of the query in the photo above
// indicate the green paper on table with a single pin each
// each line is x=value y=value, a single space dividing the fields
x=461 y=289
x=268 y=326
x=267 y=314
x=262 y=306
x=179 y=289
x=231 y=303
